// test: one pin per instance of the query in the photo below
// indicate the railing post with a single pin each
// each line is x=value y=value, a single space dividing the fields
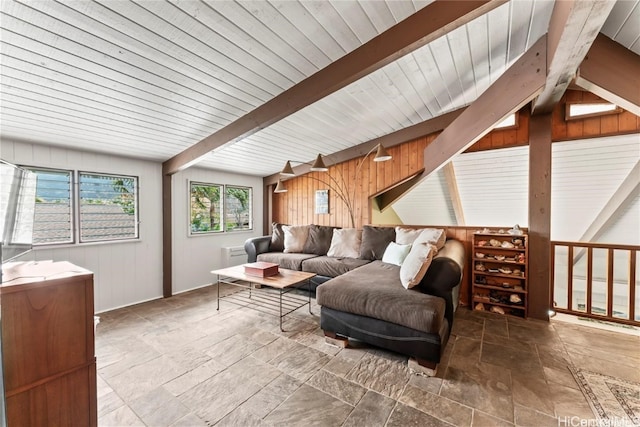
x=589 y=278
x=632 y=284
x=570 y=278
x=610 y=282
x=552 y=275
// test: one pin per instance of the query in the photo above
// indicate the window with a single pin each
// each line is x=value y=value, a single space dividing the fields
x=53 y=219
x=582 y=110
x=108 y=207
x=215 y=208
x=510 y=122
x=205 y=207
x=237 y=214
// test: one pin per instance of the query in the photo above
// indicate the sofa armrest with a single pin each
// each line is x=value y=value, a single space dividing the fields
x=445 y=271
x=444 y=276
x=255 y=246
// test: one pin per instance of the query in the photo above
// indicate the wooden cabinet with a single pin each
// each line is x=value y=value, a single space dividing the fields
x=48 y=344
x=499 y=282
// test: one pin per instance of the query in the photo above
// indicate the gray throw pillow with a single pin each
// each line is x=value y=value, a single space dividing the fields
x=319 y=240
x=375 y=241
x=277 y=238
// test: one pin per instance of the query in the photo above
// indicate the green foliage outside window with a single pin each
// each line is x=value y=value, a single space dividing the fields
x=216 y=208
x=237 y=208
x=206 y=207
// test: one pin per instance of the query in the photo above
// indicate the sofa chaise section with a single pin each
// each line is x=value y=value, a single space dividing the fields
x=370 y=304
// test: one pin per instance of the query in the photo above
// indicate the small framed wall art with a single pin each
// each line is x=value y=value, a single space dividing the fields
x=322 y=202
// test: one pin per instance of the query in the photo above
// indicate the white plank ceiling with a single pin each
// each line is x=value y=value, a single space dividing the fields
x=150 y=78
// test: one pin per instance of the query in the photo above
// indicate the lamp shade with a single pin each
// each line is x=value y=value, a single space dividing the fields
x=382 y=155
x=280 y=188
x=287 y=170
x=318 y=165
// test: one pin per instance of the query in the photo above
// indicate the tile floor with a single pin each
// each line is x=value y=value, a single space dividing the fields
x=178 y=362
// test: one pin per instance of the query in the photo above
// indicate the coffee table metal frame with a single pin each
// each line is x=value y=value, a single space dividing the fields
x=264 y=299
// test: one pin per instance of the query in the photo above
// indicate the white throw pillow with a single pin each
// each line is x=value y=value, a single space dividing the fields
x=294 y=237
x=345 y=243
x=395 y=253
x=435 y=236
x=416 y=264
x=406 y=236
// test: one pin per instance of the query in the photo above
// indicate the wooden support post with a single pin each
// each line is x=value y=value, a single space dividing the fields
x=539 y=216
x=167 y=241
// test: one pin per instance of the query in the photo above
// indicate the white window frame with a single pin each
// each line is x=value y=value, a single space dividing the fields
x=136 y=205
x=240 y=187
x=75 y=202
x=190 y=184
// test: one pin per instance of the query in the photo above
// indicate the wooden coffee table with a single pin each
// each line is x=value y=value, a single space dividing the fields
x=264 y=299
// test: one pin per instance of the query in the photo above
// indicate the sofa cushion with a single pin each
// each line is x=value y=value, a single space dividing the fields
x=330 y=266
x=285 y=260
x=295 y=237
x=319 y=240
x=406 y=236
x=434 y=236
x=277 y=238
x=345 y=243
x=375 y=241
x=395 y=253
x=416 y=264
x=374 y=290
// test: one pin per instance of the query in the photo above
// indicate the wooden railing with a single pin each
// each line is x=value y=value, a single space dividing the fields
x=606 y=288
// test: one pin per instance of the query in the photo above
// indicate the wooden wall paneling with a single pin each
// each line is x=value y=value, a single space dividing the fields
x=415 y=154
x=627 y=122
x=307 y=205
x=304 y=216
x=363 y=190
x=372 y=182
x=379 y=173
x=575 y=129
x=522 y=132
x=591 y=126
x=396 y=166
x=286 y=199
x=351 y=180
x=315 y=185
x=609 y=124
x=341 y=219
x=280 y=214
x=388 y=173
x=408 y=159
x=404 y=160
x=497 y=138
x=558 y=123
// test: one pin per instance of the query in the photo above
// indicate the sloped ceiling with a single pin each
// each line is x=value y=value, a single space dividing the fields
x=148 y=79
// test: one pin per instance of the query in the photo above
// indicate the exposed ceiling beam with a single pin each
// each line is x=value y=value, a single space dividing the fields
x=396 y=138
x=424 y=26
x=573 y=27
x=454 y=192
x=613 y=73
x=620 y=200
x=522 y=82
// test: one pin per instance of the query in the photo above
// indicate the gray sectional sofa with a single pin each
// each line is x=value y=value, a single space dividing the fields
x=363 y=298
